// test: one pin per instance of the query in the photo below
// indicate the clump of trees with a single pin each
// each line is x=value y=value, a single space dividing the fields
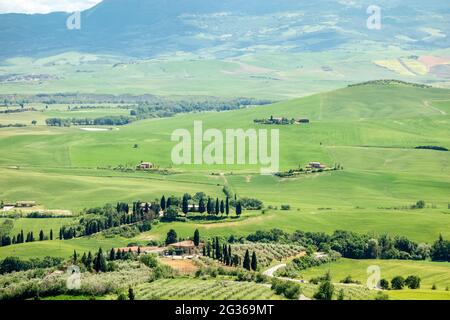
x=359 y=246
x=6 y=240
x=102 y=121
x=104 y=218
x=15 y=264
x=222 y=251
x=326 y=289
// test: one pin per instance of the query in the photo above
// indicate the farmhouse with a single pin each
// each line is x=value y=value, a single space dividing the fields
x=186 y=247
x=145 y=204
x=316 y=165
x=193 y=208
x=144 y=165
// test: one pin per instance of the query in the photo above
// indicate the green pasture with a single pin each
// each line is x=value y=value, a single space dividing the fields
x=430 y=272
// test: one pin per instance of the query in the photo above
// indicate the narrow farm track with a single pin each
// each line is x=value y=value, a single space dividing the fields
x=270 y=273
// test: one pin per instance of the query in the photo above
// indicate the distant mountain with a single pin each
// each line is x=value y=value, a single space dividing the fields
x=145 y=28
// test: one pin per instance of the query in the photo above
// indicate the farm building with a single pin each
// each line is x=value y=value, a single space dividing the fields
x=25 y=204
x=186 y=247
x=193 y=208
x=145 y=204
x=145 y=165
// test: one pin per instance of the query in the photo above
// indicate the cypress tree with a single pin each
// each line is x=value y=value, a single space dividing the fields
x=217 y=206
x=238 y=209
x=254 y=263
x=247 y=262
x=112 y=255
x=204 y=251
x=218 y=253
x=138 y=251
x=75 y=257
x=41 y=235
x=227 y=206
x=163 y=203
x=208 y=206
x=100 y=262
x=185 y=204
x=201 y=206
x=89 y=261
x=225 y=254
x=51 y=234
x=222 y=207
x=83 y=258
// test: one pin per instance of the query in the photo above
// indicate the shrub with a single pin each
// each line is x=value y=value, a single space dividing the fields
x=348 y=279
x=325 y=291
x=413 y=282
x=397 y=283
x=381 y=296
x=289 y=289
x=149 y=260
x=384 y=284
x=285 y=207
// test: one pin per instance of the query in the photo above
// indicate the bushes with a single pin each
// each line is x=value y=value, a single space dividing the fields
x=249 y=203
x=13 y=264
x=348 y=280
x=149 y=260
x=356 y=246
x=397 y=283
x=384 y=284
x=325 y=291
x=308 y=261
x=412 y=282
x=289 y=289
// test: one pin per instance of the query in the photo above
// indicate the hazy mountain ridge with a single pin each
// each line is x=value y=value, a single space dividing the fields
x=147 y=28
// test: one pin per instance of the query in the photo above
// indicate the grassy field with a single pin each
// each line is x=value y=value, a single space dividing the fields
x=193 y=289
x=430 y=272
x=35 y=225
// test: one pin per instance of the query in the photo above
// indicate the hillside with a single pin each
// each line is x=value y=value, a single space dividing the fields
x=370 y=130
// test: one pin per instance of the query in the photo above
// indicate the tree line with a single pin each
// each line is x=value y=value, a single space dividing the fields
x=6 y=240
x=360 y=246
x=101 y=121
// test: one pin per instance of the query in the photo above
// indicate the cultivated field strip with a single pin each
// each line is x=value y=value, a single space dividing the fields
x=187 y=288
